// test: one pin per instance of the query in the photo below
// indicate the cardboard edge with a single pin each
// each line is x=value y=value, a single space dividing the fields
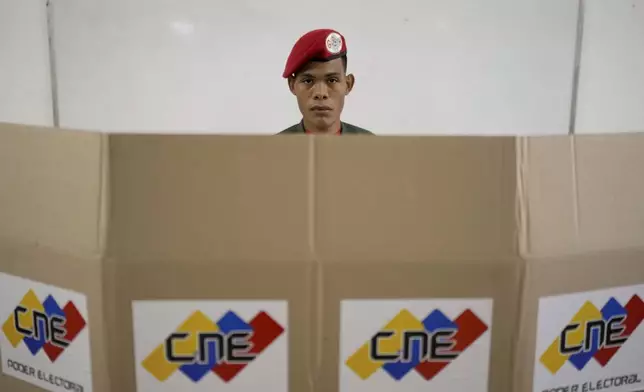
x=575 y=189
x=316 y=290
x=522 y=202
x=102 y=231
x=529 y=245
x=103 y=196
x=519 y=347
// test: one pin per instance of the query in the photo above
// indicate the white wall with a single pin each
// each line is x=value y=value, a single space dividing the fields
x=422 y=66
x=25 y=94
x=611 y=84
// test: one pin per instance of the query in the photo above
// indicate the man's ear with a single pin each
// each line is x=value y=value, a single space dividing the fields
x=351 y=80
x=291 y=84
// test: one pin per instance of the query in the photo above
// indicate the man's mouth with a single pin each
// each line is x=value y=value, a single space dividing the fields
x=320 y=108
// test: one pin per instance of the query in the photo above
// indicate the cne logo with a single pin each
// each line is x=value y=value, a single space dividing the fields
x=594 y=333
x=407 y=343
x=43 y=325
x=200 y=346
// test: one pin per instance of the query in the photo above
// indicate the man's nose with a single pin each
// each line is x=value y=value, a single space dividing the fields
x=320 y=91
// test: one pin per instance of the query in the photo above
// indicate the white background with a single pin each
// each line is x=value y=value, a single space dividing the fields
x=155 y=320
x=361 y=319
x=611 y=84
x=25 y=85
x=74 y=364
x=422 y=66
x=556 y=312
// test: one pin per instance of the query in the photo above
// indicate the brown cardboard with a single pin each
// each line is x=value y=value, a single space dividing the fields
x=71 y=272
x=554 y=276
x=239 y=213
x=319 y=220
x=582 y=220
x=444 y=233
x=51 y=198
x=303 y=186
x=46 y=175
x=581 y=194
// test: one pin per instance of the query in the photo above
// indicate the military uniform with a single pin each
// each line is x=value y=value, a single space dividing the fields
x=345 y=130
x=317 y=45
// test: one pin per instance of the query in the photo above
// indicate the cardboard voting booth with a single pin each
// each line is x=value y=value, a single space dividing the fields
x=293 y=263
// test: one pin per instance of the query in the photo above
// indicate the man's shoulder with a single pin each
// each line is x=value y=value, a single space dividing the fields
x=346 y=129
x=292 y=129
x=350 y=128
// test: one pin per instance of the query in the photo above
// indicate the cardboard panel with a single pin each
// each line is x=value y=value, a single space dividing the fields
x=582 y=193
x=611 y=190
x=61 y=273
x=323 y=240
x=51 y=188
x=584 y=274
x=209 y=222
x=180 y=288
x=423 y=199
x=360 y=298
x=547 y=196
x=209 y=198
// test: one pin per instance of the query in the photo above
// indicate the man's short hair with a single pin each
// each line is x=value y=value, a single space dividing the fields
x=345 y=61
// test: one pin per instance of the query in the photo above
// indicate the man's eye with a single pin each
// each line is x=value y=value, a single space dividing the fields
x=333 y=80
x=307 y=81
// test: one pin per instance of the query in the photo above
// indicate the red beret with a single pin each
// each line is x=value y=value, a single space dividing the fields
x=320 y=45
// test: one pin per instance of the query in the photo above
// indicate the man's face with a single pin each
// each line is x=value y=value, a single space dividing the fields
x=320 y=88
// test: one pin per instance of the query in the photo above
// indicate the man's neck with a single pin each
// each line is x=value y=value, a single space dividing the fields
x=334 y=128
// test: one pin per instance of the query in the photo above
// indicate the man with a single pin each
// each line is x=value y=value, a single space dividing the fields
x=316 y=71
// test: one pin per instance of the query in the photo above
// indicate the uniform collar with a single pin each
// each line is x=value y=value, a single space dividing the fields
x=302 y=129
